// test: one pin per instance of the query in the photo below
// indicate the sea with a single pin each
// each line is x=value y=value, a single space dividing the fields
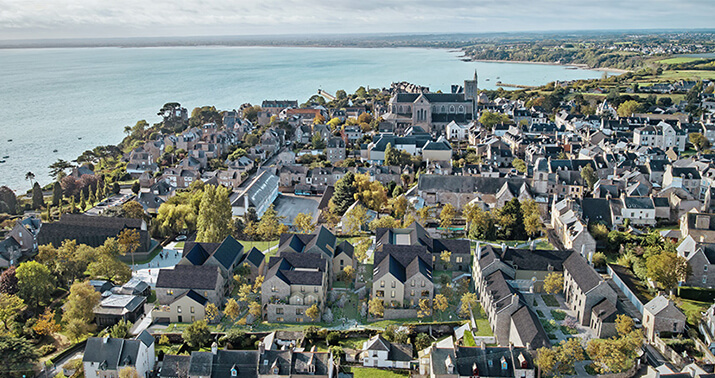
x=56 y=103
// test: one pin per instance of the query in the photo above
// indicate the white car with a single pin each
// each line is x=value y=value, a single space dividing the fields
x=181 y=238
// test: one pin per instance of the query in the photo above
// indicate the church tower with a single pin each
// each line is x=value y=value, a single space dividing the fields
x=471 y=92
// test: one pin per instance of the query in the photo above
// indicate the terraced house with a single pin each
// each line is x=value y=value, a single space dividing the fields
x=402 y=275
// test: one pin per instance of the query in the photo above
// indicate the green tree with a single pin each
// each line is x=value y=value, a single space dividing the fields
x=37 y=198
x=56 y=194
x=376 y=307
x=392 y=155
x=129 y=240
x=35 y=283
x=354 y=220
x=489 y=119
x=304 y=223
x=133 y=209
x=197 y=334
x=136 y=187
x=10 y=307
x=344 y=194
x=554 y=283
x=270 y=226
x=121 y=330
x=19 y=357
x=699 y=141
x=213 y=224
x=628 y=108
x=519 y=165
x=317 y=141
x=668 y=268
x=79 y=309
x=589 y=176
x=511 y=220
x=422 y=341
x=8 y=201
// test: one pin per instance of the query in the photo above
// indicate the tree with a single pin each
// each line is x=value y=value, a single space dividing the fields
x=35 y=283
x=376 y=307
x=46 y=324
x=332 y=338
x=79 y=308
x=133 y=209
x=395 y=334
x=385 y=222
x=469 y=301
x=446 y=257
x=559 y=359
x=425 y=308
x=440 y=303
x=589 y=176
x=56 y=194
x=668 y=268
x=254 y=309
x=8 y=281
x=304 y=223
x=115 y=188
x=8 y=200
x=624 y=324
x=213 y=224
x=343 y=195
x=232 y=311
x=554 y=283
x=18 y=357
x=349 y=274
x=58 y=168
x=699 y=141
x=136 y=187
x=422 y=341
x=617 y=354
x=129 y=372
x=313 y=312
x=446 y=216
x=512 y=221
x=29 y=176
x=519 y=165
x=121 y=330
x=10 y=307
x=489 y=119
x=107 y=266
x=317 y=141
x=37 y=198
x=354 y=220
x=212 y=313
x=129 y=240
x=392 y=155
x=628 y=108
x=361 y=247
x=270 y=226
x=197 y=334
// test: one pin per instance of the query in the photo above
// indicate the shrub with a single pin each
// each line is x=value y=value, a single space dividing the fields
x=333 y=338
x=46 y=349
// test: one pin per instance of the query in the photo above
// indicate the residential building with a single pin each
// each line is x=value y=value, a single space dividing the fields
x=203 y=279
x=117 y=307
x=187 y=307
x=225 y=255
x=321 y=242
x=378 y=352
x=105 y=357
x=335 y=150
x=402 y=275
x=701 y=258
x=92 y=230
x=661 y=315
x=293 y=283
x=687 y=178
x=584 y=288
x=698 y=226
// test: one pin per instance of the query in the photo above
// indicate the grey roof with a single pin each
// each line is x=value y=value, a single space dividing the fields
x=464 y=184
x=298 y=268
x=245 y=362
x=596 y=210
x=201 y=364
x=605 y=311
x=498 y=289
x=526 y=259
x=188 y=277
x=146 y=338
x=529 y=328
x=658 y=304
x=112 y=353
x=312 y=363
x=378 y=343
x=638 y=203
x=174 y=366
x=278 y=358
x=487 y=362
x=255 y=257
x=346 y=248
x=584 y=275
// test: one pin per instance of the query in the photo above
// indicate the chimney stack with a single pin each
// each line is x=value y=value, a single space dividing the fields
x=214 y=348
x=479 y=250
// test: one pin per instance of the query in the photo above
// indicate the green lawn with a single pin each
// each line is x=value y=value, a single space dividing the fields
x=179 y=245
x=678 y=60
x=261 y=245
x=558 y=314
x=693 y=310
x=469 y=339
x=550 y=300
x=688 y=74
x=353 y=342
x=359 y=372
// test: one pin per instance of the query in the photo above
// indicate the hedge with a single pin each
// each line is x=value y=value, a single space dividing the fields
x=696 y=294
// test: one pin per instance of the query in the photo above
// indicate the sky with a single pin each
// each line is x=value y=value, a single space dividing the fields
x=43 y=19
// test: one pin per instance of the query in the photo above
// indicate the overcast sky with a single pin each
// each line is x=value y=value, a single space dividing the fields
x=31 y=19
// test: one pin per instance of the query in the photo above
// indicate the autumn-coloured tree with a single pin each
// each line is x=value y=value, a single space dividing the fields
x=440 y=303
x=376 y=307
x=46 y=324
x=212 y=313
x=232 y=311
x=425 y=308
x=313 y=312
x=129 y=239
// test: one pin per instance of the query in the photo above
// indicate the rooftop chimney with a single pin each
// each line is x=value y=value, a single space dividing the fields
x=214 y=348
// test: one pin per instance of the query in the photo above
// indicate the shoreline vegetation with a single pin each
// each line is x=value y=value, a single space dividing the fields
x=574 y=65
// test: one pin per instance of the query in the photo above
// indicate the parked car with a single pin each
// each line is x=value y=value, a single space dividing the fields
x=181 y=238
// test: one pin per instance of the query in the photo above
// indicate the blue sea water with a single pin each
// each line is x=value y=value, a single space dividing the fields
x=74 y=99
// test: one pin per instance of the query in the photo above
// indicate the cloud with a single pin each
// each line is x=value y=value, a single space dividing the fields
x=117 y=18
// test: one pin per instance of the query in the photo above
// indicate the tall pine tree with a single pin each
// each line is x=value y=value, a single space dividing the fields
x=344 y=194
x=37 y=199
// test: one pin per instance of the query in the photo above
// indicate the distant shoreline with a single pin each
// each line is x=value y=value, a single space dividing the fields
x=574 y=65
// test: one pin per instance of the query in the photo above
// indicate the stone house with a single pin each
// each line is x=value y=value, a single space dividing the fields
x=698 y=225
x=402 y=275
x=187 y=307
x=661 y=315
x=205 y=280
x=343 y=257
x=603 y=319
x=687 y=178
x=335 y=150
x=293 y=283
x=256 y=263
x=225 y=255
x=571 y=229
x=460 y=190
x=321 y=242
x=584 y=288
x=701 y=258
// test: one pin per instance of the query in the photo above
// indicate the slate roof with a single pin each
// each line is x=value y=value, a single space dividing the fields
x=596 y=210
x=638 y=203
x=115 y=353
x=188 y=277
x=346 y=248
x=279 y=358
x=90 y=230
x=298 y=268
x=464 y=184
x=526 y=259
x=173 y=366
x=201 y=364
x=529 y=328
x=605 y=311
x=658 y=304
x=582 y=273
x=497 y=287
x=475 y=361
x=303 y=361
x=255 y=257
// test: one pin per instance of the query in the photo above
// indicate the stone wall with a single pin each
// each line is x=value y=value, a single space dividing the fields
x=400 y=313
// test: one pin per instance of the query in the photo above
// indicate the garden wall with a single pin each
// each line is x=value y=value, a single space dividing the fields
x=399 y=313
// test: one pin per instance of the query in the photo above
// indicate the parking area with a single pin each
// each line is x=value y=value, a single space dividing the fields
x=288 y=206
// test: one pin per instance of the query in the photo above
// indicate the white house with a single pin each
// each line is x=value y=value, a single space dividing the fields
x=378 y=352
x=105 y=357
x=455 y=131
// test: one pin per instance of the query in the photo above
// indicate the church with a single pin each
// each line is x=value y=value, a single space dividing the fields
x=433 y=111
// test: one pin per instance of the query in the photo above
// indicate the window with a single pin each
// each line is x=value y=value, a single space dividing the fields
x=382 y=283
x=279 y=310
x=193 y=318
x=170 y=292
x=705 y=268
x=191 y=309
x=273 y=288
x=299 y=311
x=413 y=282
x=302 y=289
x=459 y=259
x=412 y=293
x=392 y=284
x=299 y=320
x=392 y=294
x=423 y=283
x=279 y=319
x=178 y=309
